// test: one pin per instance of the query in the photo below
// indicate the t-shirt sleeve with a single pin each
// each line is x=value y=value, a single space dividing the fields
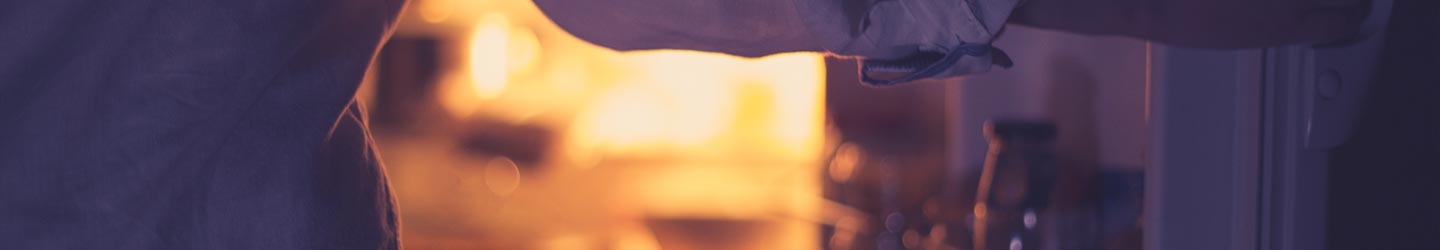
x=750 y=28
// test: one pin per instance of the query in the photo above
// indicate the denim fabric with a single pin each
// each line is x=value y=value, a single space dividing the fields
x=898 y=35
x=894 y=35
x=964 y=59
x=194 y=124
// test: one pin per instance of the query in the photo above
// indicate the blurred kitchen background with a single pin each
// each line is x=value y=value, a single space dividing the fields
x=501 y=131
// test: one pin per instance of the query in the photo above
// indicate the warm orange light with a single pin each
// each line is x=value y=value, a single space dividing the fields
x=847 y=158
x=502 y=176
x=488 y=46
x=568 y=242
x=712 y=112
x=498 y=49
x=641 y=134
x=624 y=118
x=435 y=11
x=500 y=52
x=798 y=82
x=700 y=102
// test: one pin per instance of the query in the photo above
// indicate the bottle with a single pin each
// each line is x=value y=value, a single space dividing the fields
x=1015 y=185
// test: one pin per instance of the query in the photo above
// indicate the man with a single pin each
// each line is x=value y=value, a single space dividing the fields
x=210 y=124
x=189 y=124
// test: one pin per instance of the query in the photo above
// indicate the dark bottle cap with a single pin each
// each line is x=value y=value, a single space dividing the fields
x=1021 y=129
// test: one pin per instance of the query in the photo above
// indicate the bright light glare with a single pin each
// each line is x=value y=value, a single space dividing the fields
x=500 y=52
x=488 y=58
x=694 y=99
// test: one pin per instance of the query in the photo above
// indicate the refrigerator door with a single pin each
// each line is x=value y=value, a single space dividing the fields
x=1240 y=140
x=1233 y=143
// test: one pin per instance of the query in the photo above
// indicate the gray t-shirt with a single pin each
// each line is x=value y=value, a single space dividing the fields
x=189 y=124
